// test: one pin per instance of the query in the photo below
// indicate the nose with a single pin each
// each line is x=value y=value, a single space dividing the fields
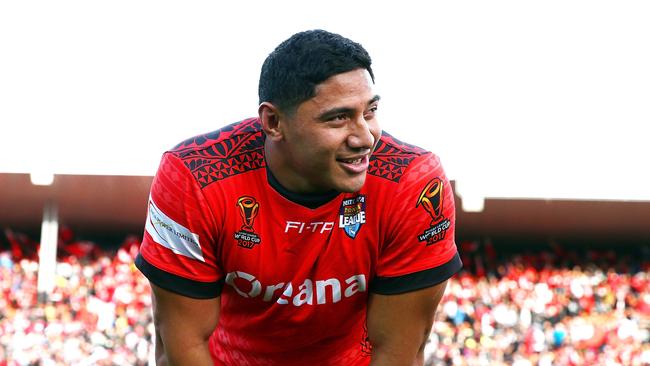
x=362 y=134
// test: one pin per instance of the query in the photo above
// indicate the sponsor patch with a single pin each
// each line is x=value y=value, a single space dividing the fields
x=248 y=209
x=309 y=292
x=431 y=199
x=171 y=234
x=352 y=215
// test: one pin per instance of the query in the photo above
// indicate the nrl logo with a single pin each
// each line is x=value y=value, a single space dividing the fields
x=352 y=215
x=248 y=208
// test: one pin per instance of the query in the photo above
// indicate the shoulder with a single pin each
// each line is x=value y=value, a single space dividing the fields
x=392 y=158
x=228 y=151
x=223 y=139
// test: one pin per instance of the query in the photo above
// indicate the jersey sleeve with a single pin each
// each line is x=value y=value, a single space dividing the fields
x=178 y=251
x=419 y=249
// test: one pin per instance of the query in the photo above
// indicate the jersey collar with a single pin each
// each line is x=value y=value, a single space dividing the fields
x=309 y=200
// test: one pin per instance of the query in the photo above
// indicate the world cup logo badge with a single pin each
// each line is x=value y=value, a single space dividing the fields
x=248 y=209
x=431 y=199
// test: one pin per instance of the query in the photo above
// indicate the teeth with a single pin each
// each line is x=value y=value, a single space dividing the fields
x=355 y=161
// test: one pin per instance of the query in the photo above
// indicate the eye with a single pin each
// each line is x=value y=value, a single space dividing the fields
x=370 y=113
x=339 y=117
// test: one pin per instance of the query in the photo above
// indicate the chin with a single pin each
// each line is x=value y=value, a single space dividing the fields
x=351 y=186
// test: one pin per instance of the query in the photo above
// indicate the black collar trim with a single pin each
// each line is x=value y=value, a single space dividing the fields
x=310 y=200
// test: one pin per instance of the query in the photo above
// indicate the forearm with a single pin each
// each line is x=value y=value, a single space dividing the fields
x=183 y=328
x=197 y=355
x=388 y=360
x=398 y=354
x=399 y=325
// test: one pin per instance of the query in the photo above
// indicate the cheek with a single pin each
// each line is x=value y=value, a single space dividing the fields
x=312 y=152
x=325 y=144
x=375 y=130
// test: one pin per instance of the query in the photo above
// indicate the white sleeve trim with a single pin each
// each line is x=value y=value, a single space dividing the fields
x=171 y=234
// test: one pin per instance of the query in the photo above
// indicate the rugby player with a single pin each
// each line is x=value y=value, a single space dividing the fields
x=305 y=235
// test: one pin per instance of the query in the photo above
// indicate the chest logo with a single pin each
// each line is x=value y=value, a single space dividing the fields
x=352 y=215
x=431 y=199
x=248 y=209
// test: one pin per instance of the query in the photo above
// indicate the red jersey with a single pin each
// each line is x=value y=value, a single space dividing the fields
x=294 y=271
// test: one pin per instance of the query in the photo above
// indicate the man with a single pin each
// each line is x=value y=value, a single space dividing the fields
x=304 y=236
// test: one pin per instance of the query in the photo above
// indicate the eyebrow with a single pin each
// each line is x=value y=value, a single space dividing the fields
x=344 y=110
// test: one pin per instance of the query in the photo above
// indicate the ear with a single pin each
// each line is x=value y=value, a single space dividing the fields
x=270 y=119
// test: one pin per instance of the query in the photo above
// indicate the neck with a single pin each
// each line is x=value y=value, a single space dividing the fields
x=310 y=200
x=277 y=164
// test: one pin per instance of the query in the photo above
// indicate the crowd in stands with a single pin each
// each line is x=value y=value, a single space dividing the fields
x=546 y=307
x=98 y=314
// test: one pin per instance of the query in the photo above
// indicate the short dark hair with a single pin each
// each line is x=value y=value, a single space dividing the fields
x=292 y=71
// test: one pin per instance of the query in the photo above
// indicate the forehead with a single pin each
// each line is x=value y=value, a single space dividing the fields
x=348 y=87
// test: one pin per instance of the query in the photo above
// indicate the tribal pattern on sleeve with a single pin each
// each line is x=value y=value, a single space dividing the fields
x=231 y=150
x=392 y=157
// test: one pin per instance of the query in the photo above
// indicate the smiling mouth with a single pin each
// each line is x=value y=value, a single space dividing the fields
x=355 y=166
x=352 y=161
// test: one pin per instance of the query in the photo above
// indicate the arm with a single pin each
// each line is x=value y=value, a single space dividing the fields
x=183 y=327
x=399 y=325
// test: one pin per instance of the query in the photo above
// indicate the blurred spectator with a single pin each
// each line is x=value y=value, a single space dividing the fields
x=98 y=314
x=550 y=307
x=555 y=306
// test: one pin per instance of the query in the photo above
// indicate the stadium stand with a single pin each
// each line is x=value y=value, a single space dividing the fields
x=545 y=306
x=98 y=314
x=550 y=306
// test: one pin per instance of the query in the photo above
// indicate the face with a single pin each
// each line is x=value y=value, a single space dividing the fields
x=327 y=142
